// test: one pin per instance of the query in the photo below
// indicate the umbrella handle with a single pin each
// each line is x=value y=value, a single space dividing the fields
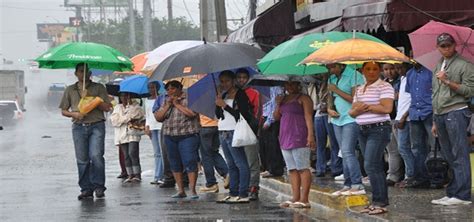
x=214 y=83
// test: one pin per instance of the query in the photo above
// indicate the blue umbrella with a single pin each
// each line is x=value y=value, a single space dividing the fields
x=137 y=84
x=202 y=94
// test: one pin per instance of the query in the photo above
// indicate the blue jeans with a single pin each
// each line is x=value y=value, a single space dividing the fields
x=210 y=157
x=404 y=147
x=346 y=136
x=89 y=148
x=239 y=171
x=155 y=141
x=421 y=139
x=373 y=142
x=183 y=151
x=323 y=129
x=455 y=148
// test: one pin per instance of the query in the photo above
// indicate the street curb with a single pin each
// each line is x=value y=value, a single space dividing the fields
x=321 y=197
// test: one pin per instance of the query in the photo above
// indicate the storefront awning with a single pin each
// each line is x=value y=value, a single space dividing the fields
x=334 y=25
x=406 y=15
x=269 y=29
x=363 y=17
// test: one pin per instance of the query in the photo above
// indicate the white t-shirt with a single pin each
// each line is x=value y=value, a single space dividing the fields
x=150 y=118
x=228 y=123
x=404 y=99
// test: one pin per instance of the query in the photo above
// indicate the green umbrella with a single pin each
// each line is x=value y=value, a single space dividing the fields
x=284 y=58
x=97 y=56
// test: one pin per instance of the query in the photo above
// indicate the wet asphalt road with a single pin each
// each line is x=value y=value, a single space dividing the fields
x=38 y=179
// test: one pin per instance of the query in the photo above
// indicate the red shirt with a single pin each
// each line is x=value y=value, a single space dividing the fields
x=254 y=97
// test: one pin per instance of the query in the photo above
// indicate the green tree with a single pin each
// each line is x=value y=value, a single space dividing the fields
x=116 y=34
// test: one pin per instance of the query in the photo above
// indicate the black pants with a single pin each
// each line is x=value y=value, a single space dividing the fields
x=270 y=152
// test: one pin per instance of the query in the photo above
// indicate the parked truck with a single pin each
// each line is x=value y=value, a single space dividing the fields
x=12 y=86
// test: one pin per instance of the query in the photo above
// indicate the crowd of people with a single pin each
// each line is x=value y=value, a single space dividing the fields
x=359 y=118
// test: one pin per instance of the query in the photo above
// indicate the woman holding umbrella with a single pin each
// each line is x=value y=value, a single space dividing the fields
x=124 y=114
x=373 y=102
x=233 y=103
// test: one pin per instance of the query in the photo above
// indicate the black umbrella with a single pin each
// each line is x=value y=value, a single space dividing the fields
x=277 y=80
x=207 y=58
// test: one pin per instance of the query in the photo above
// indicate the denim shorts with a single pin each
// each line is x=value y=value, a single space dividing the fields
x=183 y=151
x=297 y=159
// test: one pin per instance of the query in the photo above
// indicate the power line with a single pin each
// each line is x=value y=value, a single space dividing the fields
x=32 y=9
x=186 y=7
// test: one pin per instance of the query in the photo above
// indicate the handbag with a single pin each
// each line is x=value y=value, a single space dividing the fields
x=243 y=134
x=136 y=128
x=438 y=169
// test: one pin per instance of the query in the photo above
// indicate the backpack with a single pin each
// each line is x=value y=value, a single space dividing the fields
x=438 y=169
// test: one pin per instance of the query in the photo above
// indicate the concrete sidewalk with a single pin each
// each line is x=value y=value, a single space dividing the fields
x=405 y=204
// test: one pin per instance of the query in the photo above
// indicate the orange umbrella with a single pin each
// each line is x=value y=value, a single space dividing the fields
x=355 y=51
x=138 y=63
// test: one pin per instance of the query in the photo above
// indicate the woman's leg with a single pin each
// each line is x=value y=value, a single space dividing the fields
x=295 y=182
x=135 y=157
x=122 y=162
x=189 y=153
x=175 y=161
x=128 y=161
x=305 y=178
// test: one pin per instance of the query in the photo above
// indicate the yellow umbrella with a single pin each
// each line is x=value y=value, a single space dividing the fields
x=355 y=51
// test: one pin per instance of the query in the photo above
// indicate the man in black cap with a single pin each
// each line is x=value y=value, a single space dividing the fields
x=453 y=85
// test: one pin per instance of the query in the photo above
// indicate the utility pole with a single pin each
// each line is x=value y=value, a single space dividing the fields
x=204 y=19
x=221 y=20
x=78 y=16
x=253 y=9
x=131 y=17
x=170 y=10
x=147 y=29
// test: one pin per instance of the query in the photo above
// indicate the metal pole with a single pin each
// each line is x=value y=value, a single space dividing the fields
x=147 y=29
x=253 y=9
x=78 y=15
x=131 y=17
x=204 y=19
x=170 y=10
x=221 y=20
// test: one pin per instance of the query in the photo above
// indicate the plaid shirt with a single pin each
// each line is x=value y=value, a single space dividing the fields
x=178 y=124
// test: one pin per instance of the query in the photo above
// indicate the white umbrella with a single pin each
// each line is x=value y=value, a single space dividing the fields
x=159 y=54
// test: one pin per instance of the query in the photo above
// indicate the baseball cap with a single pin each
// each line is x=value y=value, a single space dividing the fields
x=445 y=38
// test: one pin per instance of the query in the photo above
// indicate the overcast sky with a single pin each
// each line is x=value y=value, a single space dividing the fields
x=18 y=19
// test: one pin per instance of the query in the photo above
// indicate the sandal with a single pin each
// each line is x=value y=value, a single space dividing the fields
x=179 y=195
x=378 y=210
x=224 y=200
x=300 y=205
x=367 y=209
x=286 y=204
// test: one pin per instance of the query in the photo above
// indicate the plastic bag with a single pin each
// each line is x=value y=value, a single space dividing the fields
x=88 y=103
x=243 y=134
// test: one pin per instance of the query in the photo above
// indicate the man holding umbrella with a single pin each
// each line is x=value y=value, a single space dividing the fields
x=453 y=85
x=88 y=132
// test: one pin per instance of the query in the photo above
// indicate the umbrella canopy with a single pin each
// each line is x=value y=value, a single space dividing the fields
x=423 y=41
x=139 y=61
x=207 y=58
x=113 y=87
x=97 y=56
x=202 y=94
x=285 y=57
x=355 y=51
x=137 y=84
x=159 y=54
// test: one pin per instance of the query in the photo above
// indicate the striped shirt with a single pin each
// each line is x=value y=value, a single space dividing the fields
x=372 y=96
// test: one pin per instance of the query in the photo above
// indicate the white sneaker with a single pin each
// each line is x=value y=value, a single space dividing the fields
x=339 y=192
x=439 y=201
x=353 y=192
x=455 y=201
x=340 y=178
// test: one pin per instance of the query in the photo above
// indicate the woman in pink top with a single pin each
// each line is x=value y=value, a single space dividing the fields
x=295 y=112
x=373 y=102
